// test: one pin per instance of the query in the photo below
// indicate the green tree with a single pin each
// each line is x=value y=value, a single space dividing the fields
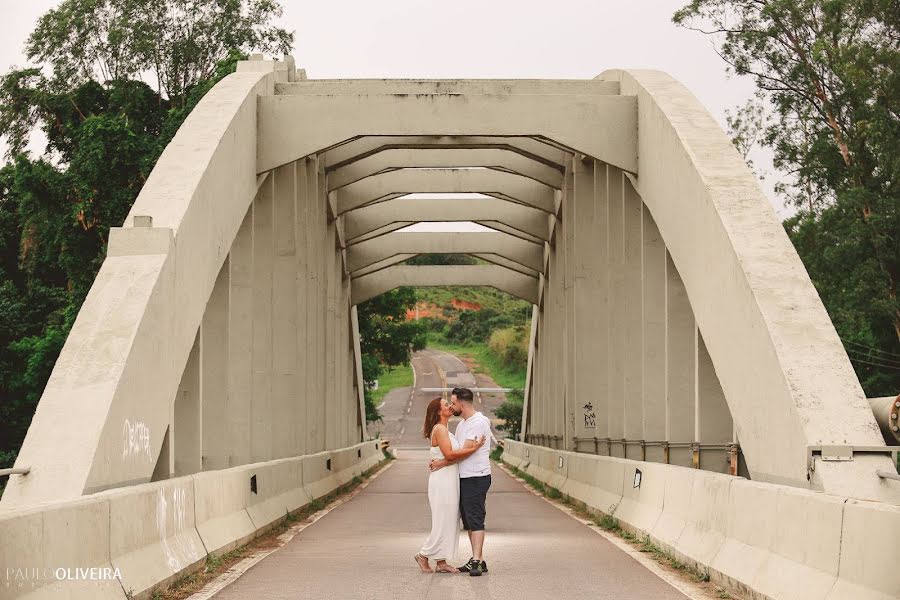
x=511 y=413
x=827 y=71
x=105 y=129
x=387 y=339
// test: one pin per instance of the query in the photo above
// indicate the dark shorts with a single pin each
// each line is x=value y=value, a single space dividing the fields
x=472 y=496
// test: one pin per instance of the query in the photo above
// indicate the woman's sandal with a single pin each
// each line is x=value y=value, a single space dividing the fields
x=446 y=568
x=419 y=559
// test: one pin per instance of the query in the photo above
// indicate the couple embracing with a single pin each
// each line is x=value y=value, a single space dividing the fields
x=459 y=482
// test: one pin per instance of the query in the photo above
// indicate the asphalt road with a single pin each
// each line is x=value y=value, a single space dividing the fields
x=364 y=550
x=403 y=411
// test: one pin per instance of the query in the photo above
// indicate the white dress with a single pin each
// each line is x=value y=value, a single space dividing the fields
x=443 y=496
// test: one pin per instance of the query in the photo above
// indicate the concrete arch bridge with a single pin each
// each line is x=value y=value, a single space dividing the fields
x=212 y=380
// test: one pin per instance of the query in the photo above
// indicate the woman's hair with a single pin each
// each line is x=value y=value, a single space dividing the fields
x=432 y=416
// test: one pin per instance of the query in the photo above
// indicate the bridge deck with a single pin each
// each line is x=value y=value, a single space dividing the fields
x=364 y=549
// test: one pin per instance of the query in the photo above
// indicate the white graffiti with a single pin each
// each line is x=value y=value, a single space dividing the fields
x=136 y=439
x=178 y=545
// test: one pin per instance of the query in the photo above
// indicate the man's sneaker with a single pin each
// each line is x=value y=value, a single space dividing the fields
x=483 y=567
x=467 y=568
x=475 y=570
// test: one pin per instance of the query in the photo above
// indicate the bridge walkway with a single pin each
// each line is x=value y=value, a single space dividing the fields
x=364 y=549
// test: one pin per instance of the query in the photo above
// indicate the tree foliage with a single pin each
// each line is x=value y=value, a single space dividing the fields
x=826 y=72
x=387 y=339
x=105 y=130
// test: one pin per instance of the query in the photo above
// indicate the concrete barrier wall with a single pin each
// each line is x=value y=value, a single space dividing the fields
x=767 y=541
x=155 y=533
x=36 y=543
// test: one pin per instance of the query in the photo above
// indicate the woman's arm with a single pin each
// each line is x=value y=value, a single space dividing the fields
x=442 y=435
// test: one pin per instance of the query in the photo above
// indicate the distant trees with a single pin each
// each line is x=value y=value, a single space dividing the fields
x=387 y=339
x=112 y=82
x=828 y=106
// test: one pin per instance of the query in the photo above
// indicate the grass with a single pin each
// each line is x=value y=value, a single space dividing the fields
x=609 y=523
x=485 y=361
x=395 y=377
x=217 y=563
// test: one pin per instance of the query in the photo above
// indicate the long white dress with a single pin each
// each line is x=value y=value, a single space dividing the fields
x=443 y=496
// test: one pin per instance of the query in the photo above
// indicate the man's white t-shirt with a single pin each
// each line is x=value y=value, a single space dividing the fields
x=477 y=464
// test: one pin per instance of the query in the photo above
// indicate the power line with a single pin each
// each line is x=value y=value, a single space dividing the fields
x=865 y=356
x=864 y=362
x=870 y=348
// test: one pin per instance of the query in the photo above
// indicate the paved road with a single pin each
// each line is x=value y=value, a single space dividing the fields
x=364 y=549
x=403 y=412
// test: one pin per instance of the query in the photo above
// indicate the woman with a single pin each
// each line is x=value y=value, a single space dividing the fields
x=443 y=489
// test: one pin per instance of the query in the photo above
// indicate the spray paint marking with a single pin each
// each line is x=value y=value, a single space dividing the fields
x=180 y=549
x=136 y=439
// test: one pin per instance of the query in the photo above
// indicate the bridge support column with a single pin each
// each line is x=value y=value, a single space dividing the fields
x=261 y=438
x=569 y=317
x=240 y=336
x=681 y=368
x=618 y=299
x=653 y=264
x=332 y=397
x=284 y=315
x=300 y=399
x=315 y=416
x=214 y=373
x=633 y=342
x=187 y=439
x=590 y=305
x=714 y=424
x=556 y=326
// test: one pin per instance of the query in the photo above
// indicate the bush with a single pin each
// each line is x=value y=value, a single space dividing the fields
x=510 y=345
x=511 y=413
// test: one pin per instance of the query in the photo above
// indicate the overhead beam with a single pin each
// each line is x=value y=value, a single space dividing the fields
x=506 y=87
x=293 y=126
x=376 y=216
x=360 y=147
x=383 y=264
x=509 y=264
x=515 y=284
x=504 y=228
x=372 y=251
x=445 y=159
x=446 y=181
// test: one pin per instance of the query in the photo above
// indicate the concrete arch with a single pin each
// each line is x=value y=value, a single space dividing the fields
x=121 y=364
x=757 y=327
x=373 y=217
x=749 y=292
x=294 y=126
x=361 y=147
x=392 y=184
x=449 y=158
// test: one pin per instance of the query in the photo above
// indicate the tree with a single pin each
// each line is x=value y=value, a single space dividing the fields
x=387 y=339
x=511 y=413
x=105 y=129
x=828 y=71
x=177 y=42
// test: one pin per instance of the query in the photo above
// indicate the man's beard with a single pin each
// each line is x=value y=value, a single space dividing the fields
x=457 y=412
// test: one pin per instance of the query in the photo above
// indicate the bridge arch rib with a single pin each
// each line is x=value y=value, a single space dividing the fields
x=231 y=287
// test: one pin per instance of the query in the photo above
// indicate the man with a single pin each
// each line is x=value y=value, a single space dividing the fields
x=474 y=475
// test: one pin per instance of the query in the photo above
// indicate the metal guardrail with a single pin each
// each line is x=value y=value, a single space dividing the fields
x=14 y=471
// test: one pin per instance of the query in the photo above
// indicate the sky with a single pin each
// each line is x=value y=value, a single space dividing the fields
x=558 y=39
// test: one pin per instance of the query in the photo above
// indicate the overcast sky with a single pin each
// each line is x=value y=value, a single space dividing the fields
x=485 y=38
